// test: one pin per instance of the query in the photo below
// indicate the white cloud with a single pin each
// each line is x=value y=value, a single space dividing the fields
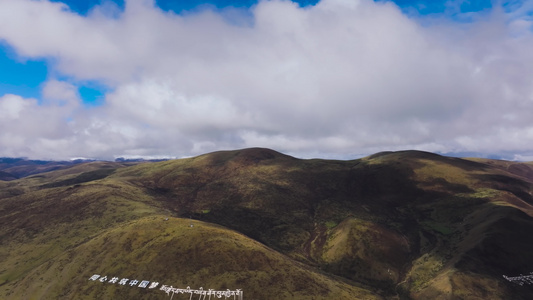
x=335 y=79
x=11 y=107
x=60 y=93
x=30 y=129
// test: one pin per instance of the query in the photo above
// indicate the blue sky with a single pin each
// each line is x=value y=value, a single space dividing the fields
x=335 y=78
x=20 y=76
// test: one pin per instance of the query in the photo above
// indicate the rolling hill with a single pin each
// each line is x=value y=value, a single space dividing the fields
x=394 y=225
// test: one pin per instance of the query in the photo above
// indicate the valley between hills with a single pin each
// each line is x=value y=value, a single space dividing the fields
x=394 y=225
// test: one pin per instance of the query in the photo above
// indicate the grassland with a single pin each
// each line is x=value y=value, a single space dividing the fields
x=395 y=225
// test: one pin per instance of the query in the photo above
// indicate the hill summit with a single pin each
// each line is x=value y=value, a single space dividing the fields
x=394 y=225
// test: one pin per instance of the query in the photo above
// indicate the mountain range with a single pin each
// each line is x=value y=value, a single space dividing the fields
x=393 y=225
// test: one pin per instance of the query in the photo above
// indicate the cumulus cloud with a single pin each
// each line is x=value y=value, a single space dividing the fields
x=30 y=129
x=337 y=79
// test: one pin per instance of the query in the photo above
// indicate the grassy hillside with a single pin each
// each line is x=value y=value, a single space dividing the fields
x=204 y=255
x=394 y=225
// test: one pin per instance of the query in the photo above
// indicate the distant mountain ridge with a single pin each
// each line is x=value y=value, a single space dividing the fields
x=393 y=225
x=15 y=168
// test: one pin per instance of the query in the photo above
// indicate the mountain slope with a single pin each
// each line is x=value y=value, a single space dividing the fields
x=409 y=225
x=204 y=255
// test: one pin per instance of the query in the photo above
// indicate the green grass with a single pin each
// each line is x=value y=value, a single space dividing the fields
x=331 y=224
x=438 y=227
